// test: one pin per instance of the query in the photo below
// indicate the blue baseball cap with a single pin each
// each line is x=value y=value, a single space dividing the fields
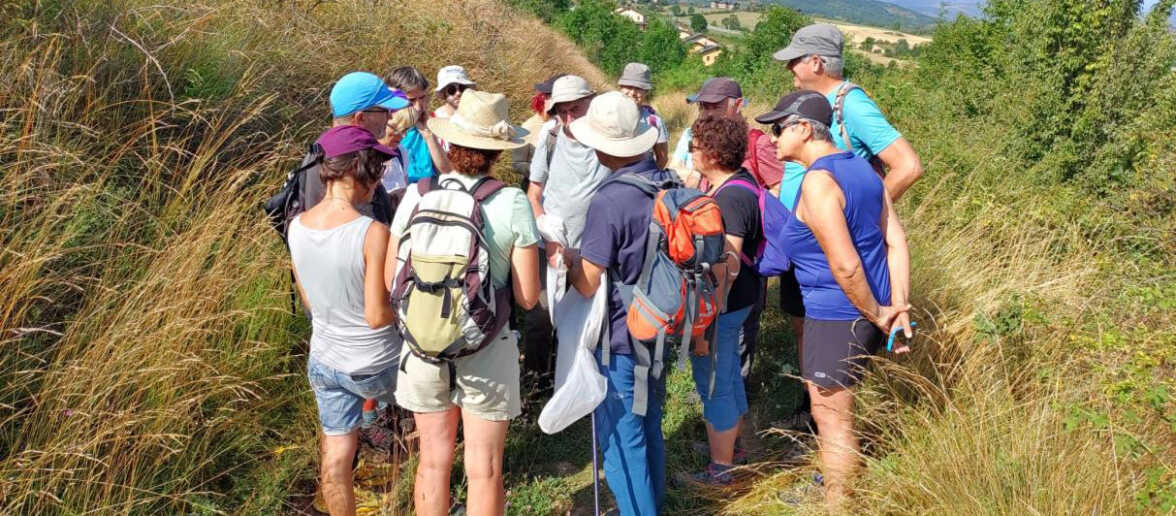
x=358 y=91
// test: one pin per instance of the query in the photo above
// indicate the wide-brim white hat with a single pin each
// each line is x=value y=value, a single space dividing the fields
x=613 y=125
x=480 y=122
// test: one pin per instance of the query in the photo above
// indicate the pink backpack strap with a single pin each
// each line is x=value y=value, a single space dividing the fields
x=759 y=194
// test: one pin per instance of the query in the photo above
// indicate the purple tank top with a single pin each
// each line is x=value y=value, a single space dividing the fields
x=864 y=203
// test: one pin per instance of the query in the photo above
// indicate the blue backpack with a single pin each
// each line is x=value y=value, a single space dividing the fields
x=771 y=259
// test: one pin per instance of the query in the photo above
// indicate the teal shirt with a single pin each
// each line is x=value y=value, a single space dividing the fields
x=868 y=129
x=420 y=163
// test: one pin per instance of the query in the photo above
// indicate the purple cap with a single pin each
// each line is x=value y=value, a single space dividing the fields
x=340 y=140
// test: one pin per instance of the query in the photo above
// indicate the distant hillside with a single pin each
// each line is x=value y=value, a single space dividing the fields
x=950 y=9
x=866 y=12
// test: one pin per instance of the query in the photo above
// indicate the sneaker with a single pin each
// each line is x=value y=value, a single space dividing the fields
x=703 y=448
x=799 y=422
x=713 y=475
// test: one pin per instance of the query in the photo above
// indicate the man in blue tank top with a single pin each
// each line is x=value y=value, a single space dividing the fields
x=853 y=267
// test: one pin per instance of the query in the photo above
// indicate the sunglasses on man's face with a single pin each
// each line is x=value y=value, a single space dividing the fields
x=454 y=89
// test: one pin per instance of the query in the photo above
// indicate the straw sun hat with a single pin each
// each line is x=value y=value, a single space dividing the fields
x=480 y=122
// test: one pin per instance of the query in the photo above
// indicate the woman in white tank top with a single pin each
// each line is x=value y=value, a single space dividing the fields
x=338 y=257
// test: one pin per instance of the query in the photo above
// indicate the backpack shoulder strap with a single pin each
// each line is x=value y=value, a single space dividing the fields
x=839 y=110
x=486 y=187
x=741 y=183
x=552 y=135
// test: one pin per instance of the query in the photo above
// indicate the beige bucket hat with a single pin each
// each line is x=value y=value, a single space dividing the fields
x=567 y=89
x=613 y=125
x=480 y=122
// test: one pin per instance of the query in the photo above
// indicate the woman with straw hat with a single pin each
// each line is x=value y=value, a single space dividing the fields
x=485 y=384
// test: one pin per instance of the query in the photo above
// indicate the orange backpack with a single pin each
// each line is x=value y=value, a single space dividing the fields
x=675 y=294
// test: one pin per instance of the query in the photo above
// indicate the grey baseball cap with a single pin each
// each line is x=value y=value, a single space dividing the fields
x=821 y=39
x=635 y=75
x=717 y=89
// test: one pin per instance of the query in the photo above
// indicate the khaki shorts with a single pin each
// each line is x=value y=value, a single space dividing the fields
x=487 y=382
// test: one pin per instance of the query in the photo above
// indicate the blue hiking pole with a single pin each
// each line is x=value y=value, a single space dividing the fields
x=890 y=341
x=595 y=471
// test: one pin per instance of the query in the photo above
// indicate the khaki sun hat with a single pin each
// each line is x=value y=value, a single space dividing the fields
x=480 y=122
x=613 y=125
x=567 y=89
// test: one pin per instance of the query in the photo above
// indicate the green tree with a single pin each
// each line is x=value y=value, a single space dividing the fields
x=868 y=44
x=732 y=23
x=676 y=10
x=752 y=64
x=697 y=23
x=690 y=10
x=660 y=47
x=606 y=38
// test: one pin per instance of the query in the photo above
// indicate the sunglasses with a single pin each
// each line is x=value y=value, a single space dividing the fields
x=454 y=89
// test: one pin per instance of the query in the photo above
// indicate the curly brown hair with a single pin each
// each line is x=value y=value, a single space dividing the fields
x=365 y=166
x=722 y=138
x=472 y=162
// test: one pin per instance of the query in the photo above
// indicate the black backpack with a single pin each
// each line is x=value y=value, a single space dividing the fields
x=302 y=190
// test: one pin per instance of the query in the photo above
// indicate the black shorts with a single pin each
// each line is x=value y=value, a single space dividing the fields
x=791 y=300
x=836 y=352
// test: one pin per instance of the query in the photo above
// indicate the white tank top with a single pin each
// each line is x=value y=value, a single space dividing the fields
x=330 y=267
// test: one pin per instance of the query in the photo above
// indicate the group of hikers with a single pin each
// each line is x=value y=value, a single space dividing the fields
x=408 y=256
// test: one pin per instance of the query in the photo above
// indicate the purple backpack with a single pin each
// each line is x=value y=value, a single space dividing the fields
x=771 y=258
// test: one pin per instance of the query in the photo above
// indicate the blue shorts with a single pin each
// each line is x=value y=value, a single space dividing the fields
x=340 y=396
x=729 y=399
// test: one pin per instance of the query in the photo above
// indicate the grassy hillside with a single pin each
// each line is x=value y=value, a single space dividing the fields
x=148 y=361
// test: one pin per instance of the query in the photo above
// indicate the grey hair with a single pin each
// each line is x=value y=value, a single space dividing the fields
x=820 y=131
x=834 y=66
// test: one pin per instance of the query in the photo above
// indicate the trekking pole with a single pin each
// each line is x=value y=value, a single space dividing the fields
x=595 y=471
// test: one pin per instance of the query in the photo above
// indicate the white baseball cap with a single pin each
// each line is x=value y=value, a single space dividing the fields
x=452 y=74
x=567 y=89
x=613 y=125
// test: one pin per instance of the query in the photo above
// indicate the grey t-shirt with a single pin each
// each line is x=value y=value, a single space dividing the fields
x=568 y=185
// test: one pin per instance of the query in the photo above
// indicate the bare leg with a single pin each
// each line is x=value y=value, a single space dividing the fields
x=722 y=444
x=438 y=435
x=337 y=453
x=484 y=443
x=833 y=411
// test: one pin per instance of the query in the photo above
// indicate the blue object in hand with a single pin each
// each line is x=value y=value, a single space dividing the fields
x=894 y=331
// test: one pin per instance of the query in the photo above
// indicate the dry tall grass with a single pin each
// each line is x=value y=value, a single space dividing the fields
x=148 y=360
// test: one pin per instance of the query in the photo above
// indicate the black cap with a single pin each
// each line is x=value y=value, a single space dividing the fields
x=545 y=86
x=806 y=104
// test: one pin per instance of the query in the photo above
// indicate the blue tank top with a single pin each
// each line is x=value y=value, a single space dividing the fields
x=823 y=297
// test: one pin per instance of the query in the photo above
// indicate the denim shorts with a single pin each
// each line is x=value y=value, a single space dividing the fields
x=728 y=401
x=340 y=396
